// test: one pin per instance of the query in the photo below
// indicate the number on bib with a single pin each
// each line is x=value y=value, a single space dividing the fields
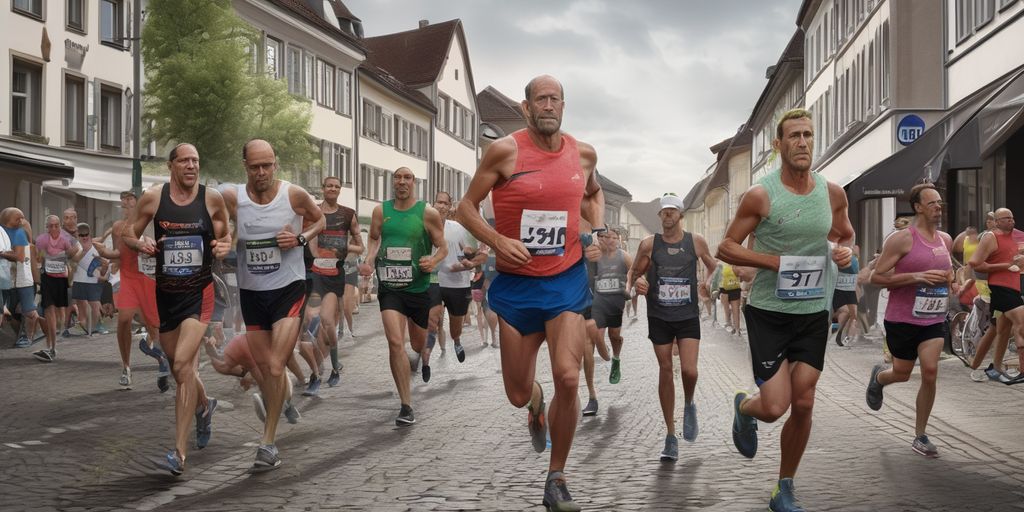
x=608 y=285
x=673 y=291
x=543 y=232
x=931 y=301
x=262 y=256
x=54 y=266
x=147 y=264
x=397 y=274
x=183 y=255
x=846 y=282
x=801 y=277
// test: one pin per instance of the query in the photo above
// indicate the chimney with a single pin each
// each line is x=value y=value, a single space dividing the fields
x=424 y=23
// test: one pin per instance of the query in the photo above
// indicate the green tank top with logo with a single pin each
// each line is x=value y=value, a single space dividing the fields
x=403 y=240
x=796 y=228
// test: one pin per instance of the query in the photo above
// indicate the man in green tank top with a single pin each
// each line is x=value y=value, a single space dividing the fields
x=797 y=218
x=402 y=231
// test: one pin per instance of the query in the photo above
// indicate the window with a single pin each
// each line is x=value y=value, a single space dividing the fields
x=272 y=58
x=112 y=22
x=252 y=56
x=442 y=112
x=26 y=98
x=74 y=111
x=886 y=69
x=295 y=70
x=325 y=94
x=984 y=10
x=344 y=105
x=110 y=118
x=964 y=19
x=336 y=162
x=309 y=82
x=33 y=8
x=378 y=123
x=76 y=15
x=410 y=138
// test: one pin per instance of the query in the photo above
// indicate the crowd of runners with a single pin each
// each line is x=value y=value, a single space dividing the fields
x=527 y=254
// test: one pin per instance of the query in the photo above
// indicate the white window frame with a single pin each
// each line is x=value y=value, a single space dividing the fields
x=34 y=9
x=70 y=113
x=343 y=84
x=326 y=93
x=116 y=95
x=117 y=39
x=984 y=13
x=293 y=70
x=273 y=48
x=32 y=97
x=70 y=7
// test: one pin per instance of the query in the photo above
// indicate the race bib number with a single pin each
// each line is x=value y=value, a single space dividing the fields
x=397 y=274
x=183 y=255
x=543 y=232
x=398 y=253
x=801 y=278
x=262 y=256
x=931 y=301
x=608 y=285
x=147 y=264
x=846 y=282
x=673 y=291
x=325 y=263
x=54 y=266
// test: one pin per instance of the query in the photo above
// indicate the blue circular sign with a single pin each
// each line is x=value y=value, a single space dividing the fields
x=909 y=129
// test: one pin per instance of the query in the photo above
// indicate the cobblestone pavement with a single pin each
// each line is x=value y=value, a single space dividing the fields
x=71 y=440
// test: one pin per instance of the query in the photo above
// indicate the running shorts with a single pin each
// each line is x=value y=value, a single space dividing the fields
x=140 y=294
x=527 y=302
x=732 y=295
x=323 y=285
x=456 y=300
x=1005 y=299
x=415 y=306
x=261 y=309
x=843 y=298
x=53 y=291
x=776 y=336
x=86 y=291
x=663 y=332
x=903 y=338
x=434 y=294
x=173 y=308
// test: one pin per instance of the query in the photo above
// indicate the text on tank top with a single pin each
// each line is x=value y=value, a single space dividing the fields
x=403 y=241
x=262 y=265
x=184 y=261
x=672 y=279
x=611 y=274
x=921 y=304
x=539 y=204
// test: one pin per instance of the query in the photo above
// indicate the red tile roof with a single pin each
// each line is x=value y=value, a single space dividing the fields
x=302 y=11
x=414 y=57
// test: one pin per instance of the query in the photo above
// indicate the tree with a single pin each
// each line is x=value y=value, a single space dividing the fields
x=203 y=86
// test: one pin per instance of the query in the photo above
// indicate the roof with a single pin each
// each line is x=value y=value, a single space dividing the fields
x=300 y=10
x=385 y=79
x=341 y=11
x=493 y=106
x=416 y=57
x=807 y=8
x=695 y=197
x=792 y=56
x=610 y=186
x=646 y=213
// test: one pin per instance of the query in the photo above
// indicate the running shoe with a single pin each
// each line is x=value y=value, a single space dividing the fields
x=334 y=379
x=65 y=334
x=204 y=423
x=1008 y=378
x=671 y=451
x=259 y=407
x=426 y=373
x=690 y=427
x=460 y=353
x=171 y=462
x=744 y=428
x=729 y=329
x=313 y=388
x=43 y=355
x=266 y=459
x=783 y=498
x=150 y=350
x=100 y=329
x=924 y=446
x=405 y=417
x=992 y=373
x=616 y=374
x=126 y=378
x=591 y=408
x=23 y=342
x=874 y=394
x=556 y=495
x=163 y=383
x=291 y=413
x=163 y=367
x=979 y=375
x=538 y=426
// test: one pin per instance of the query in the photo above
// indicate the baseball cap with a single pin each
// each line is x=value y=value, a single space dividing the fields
x=670 y=200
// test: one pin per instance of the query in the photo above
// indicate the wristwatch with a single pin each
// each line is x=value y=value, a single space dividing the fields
x=301 y=240
x=598 y=230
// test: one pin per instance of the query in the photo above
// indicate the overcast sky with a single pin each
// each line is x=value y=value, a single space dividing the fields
x=651 y=84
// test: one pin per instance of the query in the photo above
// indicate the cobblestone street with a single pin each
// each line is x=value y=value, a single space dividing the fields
x=71 y=440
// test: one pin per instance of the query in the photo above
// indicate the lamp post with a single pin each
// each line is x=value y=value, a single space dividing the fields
x=136 y=102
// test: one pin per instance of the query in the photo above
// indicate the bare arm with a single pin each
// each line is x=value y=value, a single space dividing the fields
x=895 y=247
x=592 y=206
x=355 y=237
x=705 y=256
x=373 y=242
x=145 y=209
x=304 y=205
x=986 y=247
x=752 y=208
x=114 y=230
x=640 y=265
x=435 y=228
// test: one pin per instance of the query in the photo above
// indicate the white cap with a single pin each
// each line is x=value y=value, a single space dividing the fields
x=671 y=201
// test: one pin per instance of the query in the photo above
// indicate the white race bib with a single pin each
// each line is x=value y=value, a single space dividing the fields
x=607 y=285
x=931 y=301
x=397 y=274
x=183 y=255
x=801 y=277
x=398 y=253
x=262 y=256
x=543 y=232
x=673 y=291
x=147 y=264
x=54 y=267
x=325 y=263
x=846 y=282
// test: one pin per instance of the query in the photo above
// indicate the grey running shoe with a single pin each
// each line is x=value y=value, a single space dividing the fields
x=591 y=408
x=259 y=406
x=204 y=423
x=172 y=463
x=126 y=378
x=291 y=413
x=313 y=388
x=690 y=427
x=671 y=451
x=874 y=394
x=924 y=446
x=783 y=498
x=334 y=379
x=266 y=459
x=556 y=495
x=744 y=428
x=43 y=355
x=405 y=417
x=538 y=425
x=460 y=353
x=23 y=342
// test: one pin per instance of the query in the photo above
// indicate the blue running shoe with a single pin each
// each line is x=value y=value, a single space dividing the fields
x=313 y=388
x=334 y=379
x=171 y=463
x=23 y=342
x=744 y=428
x=671 y=451
x=204 y=423
x=783 y=499
x=291 y=413
x=690 y=426
x=162 y=383
x=163 y=368
x=150 y=350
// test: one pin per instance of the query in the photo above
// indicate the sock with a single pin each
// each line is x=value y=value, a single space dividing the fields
x=334 y=357
x=554 y=474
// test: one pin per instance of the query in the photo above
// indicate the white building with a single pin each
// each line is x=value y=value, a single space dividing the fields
x=783 y=92
x=65 y=135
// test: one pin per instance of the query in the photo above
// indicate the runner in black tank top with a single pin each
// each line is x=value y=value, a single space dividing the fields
x=191 y=228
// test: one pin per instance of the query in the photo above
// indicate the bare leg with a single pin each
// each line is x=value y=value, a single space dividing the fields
x=565 y=346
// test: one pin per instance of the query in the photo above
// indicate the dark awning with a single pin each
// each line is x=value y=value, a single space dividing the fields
x=959 y=141
x=44 y=169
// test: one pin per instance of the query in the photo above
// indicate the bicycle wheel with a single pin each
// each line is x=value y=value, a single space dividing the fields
x=956 y=328
x=970 y=335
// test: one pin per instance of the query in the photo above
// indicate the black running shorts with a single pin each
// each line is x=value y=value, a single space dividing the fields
x=776 y=336
x=903 y=338
x=415 y=306
x=663 y=332
x=261 y=309
x=1005 y=299
x=456 y=300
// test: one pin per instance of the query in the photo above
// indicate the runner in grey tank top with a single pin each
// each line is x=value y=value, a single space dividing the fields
x=796 y=216
x=610 y=296
x=665 y=270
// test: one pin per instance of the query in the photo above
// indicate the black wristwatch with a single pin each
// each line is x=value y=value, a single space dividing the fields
x=301 y=240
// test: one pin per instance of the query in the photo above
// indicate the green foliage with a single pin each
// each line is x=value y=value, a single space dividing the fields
x=200 y=88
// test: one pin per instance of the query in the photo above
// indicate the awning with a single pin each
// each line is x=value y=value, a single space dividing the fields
x=45 y=169
x=955 y=142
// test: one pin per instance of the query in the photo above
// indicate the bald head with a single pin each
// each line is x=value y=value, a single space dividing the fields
x=548 y=79
x=11 y=217
x=256 y=145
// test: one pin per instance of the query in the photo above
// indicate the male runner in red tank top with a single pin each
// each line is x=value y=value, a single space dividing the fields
x=542 y=181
